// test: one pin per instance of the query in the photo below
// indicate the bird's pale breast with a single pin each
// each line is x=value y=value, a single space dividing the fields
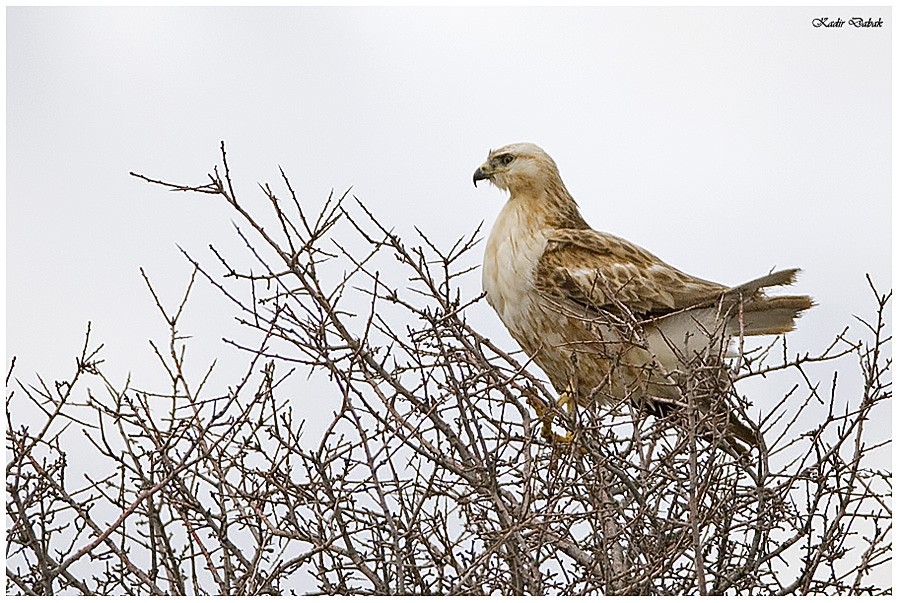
x=513 y=249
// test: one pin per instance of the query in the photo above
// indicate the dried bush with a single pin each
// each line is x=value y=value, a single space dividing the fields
x=432 y=476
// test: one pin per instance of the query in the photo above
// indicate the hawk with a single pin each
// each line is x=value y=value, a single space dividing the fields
x=605 y=319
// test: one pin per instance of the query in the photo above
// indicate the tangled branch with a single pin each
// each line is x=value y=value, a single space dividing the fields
x=431 y=476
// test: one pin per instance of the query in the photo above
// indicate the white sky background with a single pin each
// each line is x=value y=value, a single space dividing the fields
x=727 y=141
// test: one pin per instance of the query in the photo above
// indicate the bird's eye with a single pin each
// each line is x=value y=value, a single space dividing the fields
x=505 y=159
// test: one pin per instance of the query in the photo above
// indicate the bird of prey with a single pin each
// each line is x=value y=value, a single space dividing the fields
x=605 y=319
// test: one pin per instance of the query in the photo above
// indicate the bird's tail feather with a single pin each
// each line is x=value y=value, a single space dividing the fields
x=763 y=315
x=770 y=315
x=782 y=277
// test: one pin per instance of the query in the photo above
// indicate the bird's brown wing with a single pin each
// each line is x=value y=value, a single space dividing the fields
x=591 y=270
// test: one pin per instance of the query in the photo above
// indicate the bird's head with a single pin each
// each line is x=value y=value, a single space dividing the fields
x=518 y=167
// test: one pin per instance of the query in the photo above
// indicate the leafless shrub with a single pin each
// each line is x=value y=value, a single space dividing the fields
x=432 y=476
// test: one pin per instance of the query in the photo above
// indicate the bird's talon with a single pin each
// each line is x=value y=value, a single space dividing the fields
x=560 y=440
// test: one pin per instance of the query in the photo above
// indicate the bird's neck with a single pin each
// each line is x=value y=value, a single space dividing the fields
x=550 y=206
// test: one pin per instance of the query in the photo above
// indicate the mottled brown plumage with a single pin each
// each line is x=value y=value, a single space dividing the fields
x=605 y=319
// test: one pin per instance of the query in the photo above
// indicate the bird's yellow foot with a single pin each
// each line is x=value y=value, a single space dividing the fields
x=560 y=440
x=546 y=416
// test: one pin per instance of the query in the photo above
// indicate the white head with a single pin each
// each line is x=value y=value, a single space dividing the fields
x=519 y=167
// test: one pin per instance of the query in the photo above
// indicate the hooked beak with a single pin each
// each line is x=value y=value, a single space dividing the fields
x=479 y=174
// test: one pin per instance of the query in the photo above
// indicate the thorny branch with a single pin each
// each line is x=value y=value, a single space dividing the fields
x=431 y=476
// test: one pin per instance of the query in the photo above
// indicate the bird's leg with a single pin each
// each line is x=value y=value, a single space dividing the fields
x=546 y=415
x=568 y=403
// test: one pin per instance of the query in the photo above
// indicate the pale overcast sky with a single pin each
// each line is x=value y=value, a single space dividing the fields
x=727 y=141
